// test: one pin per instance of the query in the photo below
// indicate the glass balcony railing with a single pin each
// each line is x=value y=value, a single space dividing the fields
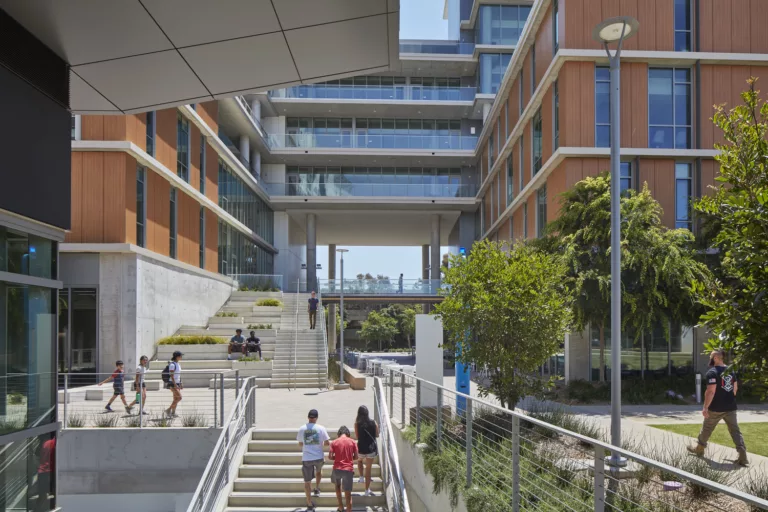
x=442 y=190
x=362 y=92
x=380 y=286
x=349 y=141
x=437 y=47
x=247 y=106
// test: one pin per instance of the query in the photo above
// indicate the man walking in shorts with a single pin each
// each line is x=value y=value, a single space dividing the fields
x=312 y=438
x=343 y=453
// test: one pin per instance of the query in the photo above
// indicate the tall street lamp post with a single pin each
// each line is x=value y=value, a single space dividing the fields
x=615 y=30
x=341 y=313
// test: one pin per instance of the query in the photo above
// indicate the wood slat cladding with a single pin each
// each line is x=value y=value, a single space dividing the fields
x=194 y=157
x=547 y=125
x=660 y=177
x=158 y=214
x=556 y=186
x=724 y=84
x=211 y=241
x=517 y=222
x=188 y=237
x=99 y=195
x=527 y=141
x=165 y=137
x=709 y=171
x=736 y=26
x=656 y=18
x=130 y=201
x=211 y=174
x=532 y=216
x=502 y=235
x=544 y=45
x=209 y=112
x=115 y=127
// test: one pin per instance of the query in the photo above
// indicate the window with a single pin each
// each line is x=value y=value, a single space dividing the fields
x=521 y=94
x=492 y=67
x=202 y=164
x=625 y=182
x=500 y=24
x=482 y=217
x=669 y=108
x=506 y=118
x=533 y=68
x=182 y=148
x=541 y=211
x=511 y=229
x=498 y=198
x=510 y=180
x=682 y=25
x=520 y=167
x=174 y=197
x=683 y=188
x=556 y=113
x=493 y=207
x=490 y=154
x=141 y=208
x=151 y=133
x=525 y=220
x=602 y=107
x=537 y=147
x=202 y=238
x=555 y=27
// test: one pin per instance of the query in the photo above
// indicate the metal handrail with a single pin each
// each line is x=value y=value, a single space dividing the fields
x=296 y=331
x=587 y=441
x=325 y=337
x=388 y=454
x=217 y=475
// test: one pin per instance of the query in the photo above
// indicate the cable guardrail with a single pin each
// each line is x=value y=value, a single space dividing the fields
x=204 y=400
x=548 y=459
x=217 y=475
x=296 y=331
x=393 y=477
x=321 y=311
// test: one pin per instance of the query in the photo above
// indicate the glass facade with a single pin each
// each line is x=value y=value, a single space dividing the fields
x=556 y=115
x=683 y=193
x=602 y=107
x=27 y=371
x=239 y=255
x=141 y=209
x=383 y=88
x=683 y=25
x=182 y=148
x=669 y=108
x=201 y=250
x=626 y=177
x=555 y=26
x=541 y=211
x=538 y=140
x=151 y=133
x=78 y=335
x=173 y=224
x=240 y=201
x=203 y=166
x=525 y=220
x=510 y=180
x=501 y=24
x=491 y=70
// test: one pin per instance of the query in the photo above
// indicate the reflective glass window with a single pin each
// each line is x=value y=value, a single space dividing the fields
x=602 y=107
x=669 y=108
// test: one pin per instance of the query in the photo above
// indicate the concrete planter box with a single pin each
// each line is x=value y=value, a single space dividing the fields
x=272 y=310
x=269 y=334
x=253 y=368
x=256 y=295
x=225 y=320
x=197 y=352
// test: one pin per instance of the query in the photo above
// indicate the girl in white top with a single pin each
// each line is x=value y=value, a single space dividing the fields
x=140 y=385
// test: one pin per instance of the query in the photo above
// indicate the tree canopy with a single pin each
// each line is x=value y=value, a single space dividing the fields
x=515 y=310
x=379 y=328
x=737 y=302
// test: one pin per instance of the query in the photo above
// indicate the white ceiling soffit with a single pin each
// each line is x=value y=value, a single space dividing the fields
x=137 y=55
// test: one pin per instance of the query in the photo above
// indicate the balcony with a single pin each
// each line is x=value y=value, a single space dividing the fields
x=368 y=142
x=370 y=189
x=415 y=93
x=437 y=47
x=388 y=287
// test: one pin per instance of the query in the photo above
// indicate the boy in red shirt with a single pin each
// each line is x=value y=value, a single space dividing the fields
x=343 y=453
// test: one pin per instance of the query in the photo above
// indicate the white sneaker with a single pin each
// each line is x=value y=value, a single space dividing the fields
x=361 y=480
x=369 y=493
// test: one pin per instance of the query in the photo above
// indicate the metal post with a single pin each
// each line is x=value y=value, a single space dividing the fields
x=599 y=479
x=418 y=411
x=615 y=252
x=237 y=383
x=402 y=400
x=439 y=420
x=391 y=392
x=221 y=394
x=515 y=464
x=468 y=412
x=66 y=398
x=215 y=399
x=341 y=316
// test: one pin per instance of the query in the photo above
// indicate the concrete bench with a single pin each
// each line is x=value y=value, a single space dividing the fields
x=354 y=378
x=151 y=385
x=94 y=394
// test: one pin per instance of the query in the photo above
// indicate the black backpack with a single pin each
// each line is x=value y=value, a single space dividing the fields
x=166 y=375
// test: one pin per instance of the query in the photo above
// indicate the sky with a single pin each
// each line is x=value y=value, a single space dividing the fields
x=419 y=19
x=422 y=19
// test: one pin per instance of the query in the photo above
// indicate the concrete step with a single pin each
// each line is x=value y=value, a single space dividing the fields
x=297 y=485
x=355 y=508
x=286 y=434
x=283 y=471
x=230 y=383
x=298 y=385
x=280 y=445
x=297 y=499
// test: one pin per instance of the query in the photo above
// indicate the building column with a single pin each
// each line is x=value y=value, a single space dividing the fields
x=434 y=250
x=245 y=150
x=425 y=272
x=256 y=163
x=311 y=251
x=331 y=307
x=486 y=111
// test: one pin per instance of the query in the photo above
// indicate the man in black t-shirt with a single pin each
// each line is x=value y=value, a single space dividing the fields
x=312 y=309
x=720 y=404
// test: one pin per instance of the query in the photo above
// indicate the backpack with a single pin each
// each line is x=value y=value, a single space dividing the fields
x=166 y=375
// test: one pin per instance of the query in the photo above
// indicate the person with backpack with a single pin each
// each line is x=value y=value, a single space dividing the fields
x=366 y=432
x=118 y=387
x=172 y=379
x=312 y=437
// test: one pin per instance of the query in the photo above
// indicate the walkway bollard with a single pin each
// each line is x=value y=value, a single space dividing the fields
x=402 y=400
x=439 y=420
x=515 y=464
x=418 y=411
x=468 y=412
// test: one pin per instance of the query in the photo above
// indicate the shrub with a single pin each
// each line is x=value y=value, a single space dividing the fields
x=76 y=421
x=756 y=484
x=192 y=340
x=259 y=327
x=15 y=398
x=161 y=420
x=194 y=419
x=334 y=371
x=8 y=426
x=133 y=421
x=222 y=314
x=269 y=302
x=106 y=420
x=250 y=359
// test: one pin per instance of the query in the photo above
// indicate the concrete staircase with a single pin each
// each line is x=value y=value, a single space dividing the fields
x=311 y=366
x=269 y=478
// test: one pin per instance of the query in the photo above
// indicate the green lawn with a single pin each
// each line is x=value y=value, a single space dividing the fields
x=755 y=435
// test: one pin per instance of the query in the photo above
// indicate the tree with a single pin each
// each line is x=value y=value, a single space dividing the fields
x=378 y=328
x=658 y=265
x=507 y=311
x=736 y=302
x=338 y=323
x=408 y=324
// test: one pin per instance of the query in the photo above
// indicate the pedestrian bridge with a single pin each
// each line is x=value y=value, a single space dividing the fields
x=409 y=291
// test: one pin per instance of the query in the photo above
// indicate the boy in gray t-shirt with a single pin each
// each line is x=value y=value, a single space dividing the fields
x=312 y=438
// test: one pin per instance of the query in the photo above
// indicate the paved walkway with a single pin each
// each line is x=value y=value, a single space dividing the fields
x=670 y=413
x=283 y=408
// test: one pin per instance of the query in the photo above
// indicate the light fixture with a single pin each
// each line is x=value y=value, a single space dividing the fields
x=610 y=30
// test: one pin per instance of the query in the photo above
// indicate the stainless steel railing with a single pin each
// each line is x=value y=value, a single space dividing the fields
x=321 y=319
x=217 y=476
x=394 y=484
x=296 y=331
